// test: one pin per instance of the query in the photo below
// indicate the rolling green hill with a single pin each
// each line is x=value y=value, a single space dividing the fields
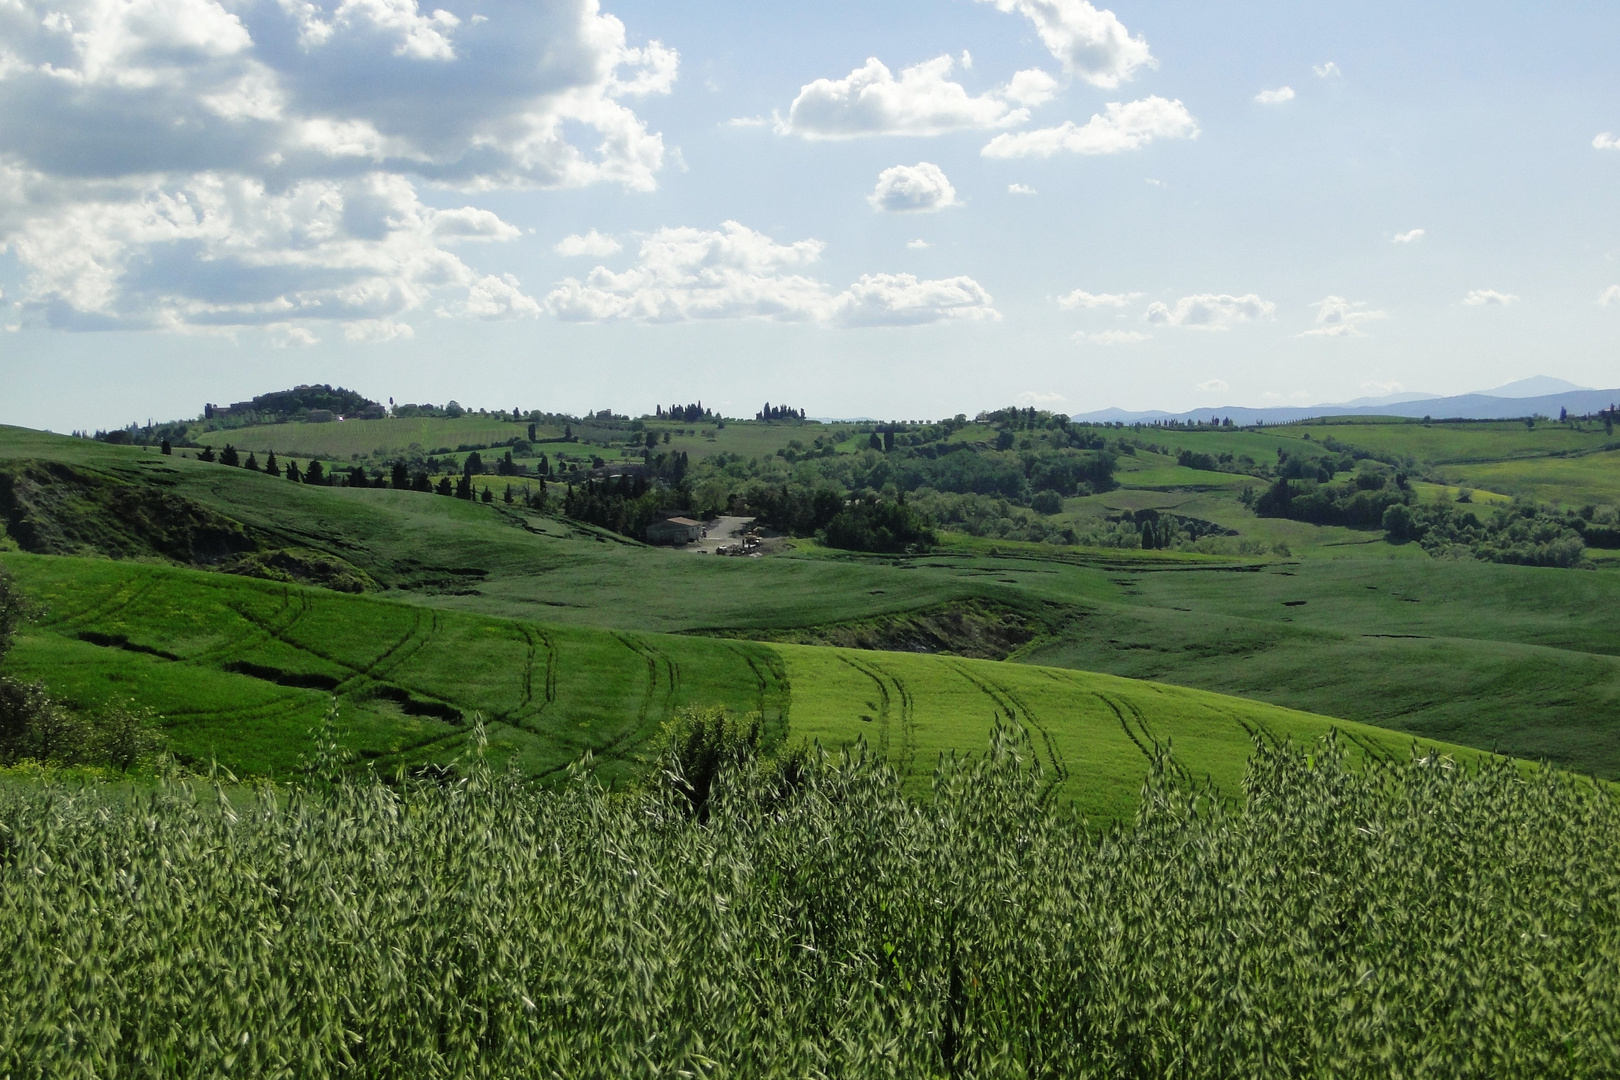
x=1523 y=660
x=242 y=670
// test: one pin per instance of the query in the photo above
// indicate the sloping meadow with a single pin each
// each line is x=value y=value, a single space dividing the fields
x=1420 y=919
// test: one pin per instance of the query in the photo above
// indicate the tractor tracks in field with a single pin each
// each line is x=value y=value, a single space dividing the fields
x=1020 y=712
x=908 y=719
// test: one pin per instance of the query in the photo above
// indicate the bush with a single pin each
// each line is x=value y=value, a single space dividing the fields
x=1047 y=502
x=880 y=527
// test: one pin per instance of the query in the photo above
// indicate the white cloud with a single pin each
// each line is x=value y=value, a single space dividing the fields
x=1610 y=296
x=903 y=300
x=1082 y=299
x=1383 y=388
x=1275 y=97
x=1110 y=337
x=1020 y=189
x=918 y=244
x=1212 y=386
x=1091 y=45
x=1328 y=70
x=734 y=272
x=919 y=188
x=288 y=336
x=1035 y=397
x=182 y=163
x=922 y=101
x=220 y=250
x=1210 y=311
x=1407 y=237
x=1338 y=317
x=592 y=243
x=1151 y=182
x=966 y=60
x=1606 y=141
x=376 y=331
x=1489 y=298
x=748 y=122
x=1122 y=127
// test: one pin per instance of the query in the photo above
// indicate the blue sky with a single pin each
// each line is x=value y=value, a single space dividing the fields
x=900 y=209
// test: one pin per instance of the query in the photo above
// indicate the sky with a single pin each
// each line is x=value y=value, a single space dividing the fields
x=902 y=210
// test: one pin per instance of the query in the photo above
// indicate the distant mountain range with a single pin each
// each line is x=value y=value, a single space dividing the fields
x=1540 y=395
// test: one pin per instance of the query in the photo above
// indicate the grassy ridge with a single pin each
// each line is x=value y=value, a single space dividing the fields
x=1094 y=734
x=241 y=670
x=376 y=438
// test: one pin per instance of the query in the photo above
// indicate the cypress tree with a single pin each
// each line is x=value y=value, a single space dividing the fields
x=315 y=474
x=531 y=432
x=292 y=472
x=464 y=488
x=401 y=478
x=230 y=457
x=420 y=482
x=508 y=497
x=444 y=486
x=207 y=454
x=252 y=463
x=270 y=466
x=487 y=496
x=168 y=450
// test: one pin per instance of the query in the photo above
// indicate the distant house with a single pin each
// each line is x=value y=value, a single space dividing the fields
x=675 y=530
x=321 y=416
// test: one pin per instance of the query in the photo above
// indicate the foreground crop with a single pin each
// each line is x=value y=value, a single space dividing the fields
x=1414 y=920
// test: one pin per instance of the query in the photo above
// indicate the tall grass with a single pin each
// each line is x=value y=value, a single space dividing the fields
x=1418 y=920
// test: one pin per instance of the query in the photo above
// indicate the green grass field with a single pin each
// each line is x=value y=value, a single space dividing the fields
x=242 y=670
x=1514 y=658
x=376 y=439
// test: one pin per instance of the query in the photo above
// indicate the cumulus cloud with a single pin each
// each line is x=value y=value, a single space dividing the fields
x=1036 y=397
x=1610 y=296
x=1488 y=298
x=1275 y=97
x=907 y=189
x=922 y=101
x=1328 y=70
x=191 y=163
x=1121 y=127
x=288 y=336
x=1110 y=337
x=592 y=243
x=375 y=331
x=1020 y=189
x=1082 y=299
x=219 y=251
x=1212 y=386
x=1338 y=317
x=1210 y=311
x=1606 y=141
x=1090 y=44
x=734 y=272
x=1382 y=388
x=918 y=245
x=1407 y=237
